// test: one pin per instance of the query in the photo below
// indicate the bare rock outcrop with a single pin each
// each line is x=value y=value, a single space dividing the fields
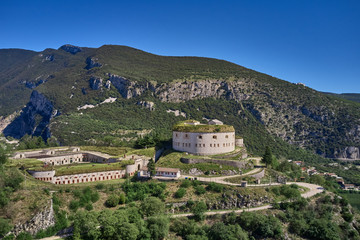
x=71 y=48
x=95 y=83
x=40 y=221
x=128 y=89
x=92 y=62
x=147 y=104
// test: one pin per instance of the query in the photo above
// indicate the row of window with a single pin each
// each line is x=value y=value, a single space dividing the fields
x=200 y=136
x=202 y=144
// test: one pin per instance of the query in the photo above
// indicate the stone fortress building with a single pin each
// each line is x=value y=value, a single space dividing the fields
x=204 y=139
x=66 y=156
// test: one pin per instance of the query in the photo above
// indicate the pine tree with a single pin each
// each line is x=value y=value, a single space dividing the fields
x=151 y=167
x=268 y=157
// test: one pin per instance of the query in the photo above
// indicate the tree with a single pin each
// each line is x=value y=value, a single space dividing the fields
x=180 y=193
x=268 y=157
x=151 y=167
x=112 y=201
x=198 y=210
x=158 y=227
x=152 y=206
x=3 y=156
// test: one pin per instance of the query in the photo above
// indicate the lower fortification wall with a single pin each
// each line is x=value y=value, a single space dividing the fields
x=217 y=161
x=50 y=176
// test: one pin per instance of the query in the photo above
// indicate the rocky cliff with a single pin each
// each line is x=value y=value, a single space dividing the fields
x=34 y=118
x=40 y=221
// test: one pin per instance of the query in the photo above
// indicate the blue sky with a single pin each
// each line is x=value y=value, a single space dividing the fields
x=314 y=42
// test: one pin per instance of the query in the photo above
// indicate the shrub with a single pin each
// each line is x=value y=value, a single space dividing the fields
x=100 y=186
x=89 y=207
x=112 y=201
x=198 y=210
x=185 y=184
x=180 y=193
x=215 y=187
x=5 y=227
x=122 y=199
x=74 y=205
x=200 y=190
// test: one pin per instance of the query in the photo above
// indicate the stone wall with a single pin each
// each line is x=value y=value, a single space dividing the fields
x=259 y=175
x=89 y=177
x=217 y=161
x=204 y=143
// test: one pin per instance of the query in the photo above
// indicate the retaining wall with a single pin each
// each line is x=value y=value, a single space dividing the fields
x=217 y=161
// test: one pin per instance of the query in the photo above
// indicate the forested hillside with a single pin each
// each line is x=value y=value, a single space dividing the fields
x=114 y=94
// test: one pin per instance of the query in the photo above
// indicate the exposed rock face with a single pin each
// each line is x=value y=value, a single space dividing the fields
x=49 y=58
x=34 y=119
x=188 y=90
x=107 y=85
x=92 y=62
x=71 y=48
x=95 y=83
x=236 y=200
x=349 y=153
x=5 y=121
x=40 y=221
x=127 y=89
x=147 y=104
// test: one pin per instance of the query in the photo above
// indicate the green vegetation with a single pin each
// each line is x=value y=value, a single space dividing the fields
x=353 y=198
x=77 y=168
x=171 y=158
x=201 y=128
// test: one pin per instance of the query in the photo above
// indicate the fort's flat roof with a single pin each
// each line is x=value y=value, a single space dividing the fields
x=202 y=128
x=55 y=155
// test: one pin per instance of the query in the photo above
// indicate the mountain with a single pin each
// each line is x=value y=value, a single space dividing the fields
x=348 y=96
x=114 y=94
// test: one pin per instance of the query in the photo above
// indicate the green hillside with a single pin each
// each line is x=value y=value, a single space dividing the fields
x=263 y=109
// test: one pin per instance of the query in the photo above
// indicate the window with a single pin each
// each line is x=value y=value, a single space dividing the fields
x=226 y=136
x=204 y=145
x=176 y=135
x=210 y=145
x=218 y=145
x=195 y=144
x=214 y=137
x=200 y=137
x=186 y=135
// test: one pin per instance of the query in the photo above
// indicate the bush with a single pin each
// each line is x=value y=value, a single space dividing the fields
x=100 y=186
x=215 y=187
x=198 y=210
x=122 y=199
x=185 y=184
x=180 y=193
x=74 y=205
x=5 y=227
x=89 y=207
x=112 y=201
x=199 y=190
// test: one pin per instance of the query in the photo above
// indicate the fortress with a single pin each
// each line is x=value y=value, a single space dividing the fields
x=204 y=139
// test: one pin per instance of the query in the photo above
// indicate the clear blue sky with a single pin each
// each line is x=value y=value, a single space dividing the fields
x=310 y=41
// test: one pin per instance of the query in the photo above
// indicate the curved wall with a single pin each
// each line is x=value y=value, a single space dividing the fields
x=204 y=143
